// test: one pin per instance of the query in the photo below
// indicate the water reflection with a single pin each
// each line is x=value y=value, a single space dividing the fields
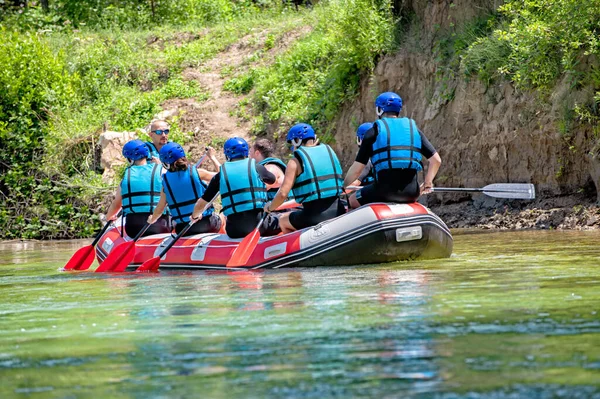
x=511 y=315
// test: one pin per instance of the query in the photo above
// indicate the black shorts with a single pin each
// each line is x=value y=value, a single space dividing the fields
x=134 y=222
x=377 y=192
x=239 y=225
x=315 y=212
x=208 y=224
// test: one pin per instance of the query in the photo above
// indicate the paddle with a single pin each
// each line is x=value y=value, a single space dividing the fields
x=498 y=190
x=84 y=257
x=121 y=256
x=246 y=247
x=152 y=264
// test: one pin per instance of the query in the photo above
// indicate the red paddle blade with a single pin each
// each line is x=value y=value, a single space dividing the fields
x=243 y=252
x=151 y=265
x=121 y=254
x=82 y=259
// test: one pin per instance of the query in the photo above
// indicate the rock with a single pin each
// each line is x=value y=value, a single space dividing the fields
x=112 y=145
x=166 y=114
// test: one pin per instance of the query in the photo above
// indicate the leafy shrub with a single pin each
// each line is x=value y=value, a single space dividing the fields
x=538 y=41
x=322 y=70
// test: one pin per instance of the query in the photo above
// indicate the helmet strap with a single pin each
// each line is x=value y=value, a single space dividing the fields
x=358 y=141
x=296 y=143
x=379 y=111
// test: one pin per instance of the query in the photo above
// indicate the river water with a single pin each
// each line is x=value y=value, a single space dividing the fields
x=509 y=315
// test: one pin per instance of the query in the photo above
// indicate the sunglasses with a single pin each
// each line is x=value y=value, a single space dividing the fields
x=161 y=132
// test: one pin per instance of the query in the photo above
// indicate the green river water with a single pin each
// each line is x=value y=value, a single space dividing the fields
x=509 y=315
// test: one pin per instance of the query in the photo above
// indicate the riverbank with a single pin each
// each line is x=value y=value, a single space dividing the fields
x=572 y=212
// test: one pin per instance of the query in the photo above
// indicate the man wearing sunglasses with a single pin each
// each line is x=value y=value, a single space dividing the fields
x=159 y=134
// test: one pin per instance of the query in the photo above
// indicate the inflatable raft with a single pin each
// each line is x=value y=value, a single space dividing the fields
x=373 y=233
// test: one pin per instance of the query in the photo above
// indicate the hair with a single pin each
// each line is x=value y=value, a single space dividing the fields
x=265 y=147
x=180 y=165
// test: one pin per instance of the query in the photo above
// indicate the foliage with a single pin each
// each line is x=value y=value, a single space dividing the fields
x=111 y=14
x=321 y=71
x=61 y=87
x=537 y=41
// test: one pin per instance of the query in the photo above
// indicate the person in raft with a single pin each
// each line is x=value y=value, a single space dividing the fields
x=242 y=184
x=159 y=136
x=315 y=175
x=396 y=149
x=367 y=176
x=139 y=192
x=182 y=186
x=263 y=152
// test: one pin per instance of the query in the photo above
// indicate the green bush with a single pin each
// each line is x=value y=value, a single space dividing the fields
x=321 y=71
x=111 y=14
x=538 y=41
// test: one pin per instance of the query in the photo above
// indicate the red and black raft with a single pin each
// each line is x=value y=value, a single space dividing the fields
x=374 y=233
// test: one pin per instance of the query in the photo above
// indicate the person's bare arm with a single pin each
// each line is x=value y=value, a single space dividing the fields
x=205 y=175
x=353 y=173
x=160 y=208
x=292 y=171
x=212 y=155
x=279 y=176
x=434 y=165
x=115 y=205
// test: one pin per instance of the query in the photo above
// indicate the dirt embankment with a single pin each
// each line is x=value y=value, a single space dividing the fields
x=485 y=134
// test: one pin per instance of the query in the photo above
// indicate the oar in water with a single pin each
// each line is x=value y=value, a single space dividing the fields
x=246 y=247
x=121 y=256
x=84 y=257
x=152 y=264
x=498 y=190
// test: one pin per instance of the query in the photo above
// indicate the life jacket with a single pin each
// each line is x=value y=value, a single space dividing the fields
x=272 y=191
x=321 y=175
x=152 y=150
x=397 y=146
x=140 y=188
x=241 y=187
x=183 y=189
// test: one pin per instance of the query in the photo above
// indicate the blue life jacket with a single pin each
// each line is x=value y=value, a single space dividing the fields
x=152 y=150
x=272 y=191
x=397 y=146
x=183 y=189
x=321 y=175
x=240 y=186
x=140 y=188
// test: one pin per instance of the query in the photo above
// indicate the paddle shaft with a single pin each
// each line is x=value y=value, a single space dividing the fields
x=141 y=232
x=469 y=190
x=177 y=237
x=101 y=233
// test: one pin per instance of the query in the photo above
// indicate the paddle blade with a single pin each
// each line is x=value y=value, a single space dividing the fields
x=243 y=252
x=151 y=265
x=510 y=190
x=119 y=258
x=82 y=259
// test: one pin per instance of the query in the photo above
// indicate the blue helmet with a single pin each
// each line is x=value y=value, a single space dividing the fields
x=135 y=150
x=235 y=147
x=388 y=102
x=299 y=132
x=171 y=152
x=361 y=131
